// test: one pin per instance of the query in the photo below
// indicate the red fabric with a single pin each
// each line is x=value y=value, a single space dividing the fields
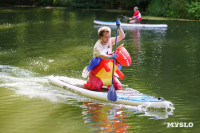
x=102 y=65
x=94 y=83
x=107 y=68
x=120 y=74
x=123 y=57
x=136 y=15
x=116 y=84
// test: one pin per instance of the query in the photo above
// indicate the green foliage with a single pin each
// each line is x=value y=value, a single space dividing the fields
x=44 y=2
x=194 y=10
x=60 y=2
x=169 y=8
x=165 y=8
x=83 y=3
x=174 y=8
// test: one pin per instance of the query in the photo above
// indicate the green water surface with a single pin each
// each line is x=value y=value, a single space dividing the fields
x=38 y=42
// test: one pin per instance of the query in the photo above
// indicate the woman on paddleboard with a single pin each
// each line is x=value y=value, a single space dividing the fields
x=137 y=17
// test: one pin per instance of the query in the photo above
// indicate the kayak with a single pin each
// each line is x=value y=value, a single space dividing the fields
x=123 y=97
x=131 y=25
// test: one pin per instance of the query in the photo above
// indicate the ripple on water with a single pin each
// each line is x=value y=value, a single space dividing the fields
x=29 y=84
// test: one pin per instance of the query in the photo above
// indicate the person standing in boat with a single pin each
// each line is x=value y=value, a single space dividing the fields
x=103 y=47
x=137 y=17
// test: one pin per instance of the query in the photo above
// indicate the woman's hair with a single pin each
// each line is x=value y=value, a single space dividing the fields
x=136 y=8
x=102 y=30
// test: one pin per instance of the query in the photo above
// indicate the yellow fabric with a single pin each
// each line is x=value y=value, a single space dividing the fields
x=106 y=77
x=106 y=82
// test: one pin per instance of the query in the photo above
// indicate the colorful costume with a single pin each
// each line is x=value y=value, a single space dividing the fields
x=101 y=70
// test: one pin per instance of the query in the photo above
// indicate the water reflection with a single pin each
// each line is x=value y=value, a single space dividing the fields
x=100 y=116
x=105 y=118
x=136 y=40
x=111 y=118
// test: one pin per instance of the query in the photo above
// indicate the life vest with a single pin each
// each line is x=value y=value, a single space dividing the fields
x=137 y=15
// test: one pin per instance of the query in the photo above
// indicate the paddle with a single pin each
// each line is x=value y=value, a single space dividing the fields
x=112 y=96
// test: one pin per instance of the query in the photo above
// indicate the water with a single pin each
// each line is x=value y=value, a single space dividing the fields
x=39 y=42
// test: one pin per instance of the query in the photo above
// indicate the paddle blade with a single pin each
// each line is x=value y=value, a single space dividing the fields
x=112 y=96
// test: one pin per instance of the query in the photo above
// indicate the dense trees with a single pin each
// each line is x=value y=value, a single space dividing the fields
x=175 y=8
x=166 y=8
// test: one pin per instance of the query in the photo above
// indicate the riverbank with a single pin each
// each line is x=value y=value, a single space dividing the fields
x=108 y=10
x=163 y=18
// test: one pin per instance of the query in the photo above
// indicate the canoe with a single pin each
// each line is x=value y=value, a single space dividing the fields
x=131 y=25
x=123 y=97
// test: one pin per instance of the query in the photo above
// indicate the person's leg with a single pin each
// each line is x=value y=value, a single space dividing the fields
x=132 y=22
x=94 y=83
x=137 y=21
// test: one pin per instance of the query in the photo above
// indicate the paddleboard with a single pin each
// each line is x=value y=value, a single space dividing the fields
x=123 y=97
x=130 y=25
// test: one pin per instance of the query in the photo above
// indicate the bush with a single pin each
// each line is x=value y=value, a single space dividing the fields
x=194 y=10
x=174 y=8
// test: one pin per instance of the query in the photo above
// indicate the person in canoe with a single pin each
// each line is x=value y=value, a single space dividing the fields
x=102 y=50
x=137 y=17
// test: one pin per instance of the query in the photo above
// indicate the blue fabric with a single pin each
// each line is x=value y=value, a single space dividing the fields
x=114 y=56
x=118 y=22
x=120 y=66
x=93 y=63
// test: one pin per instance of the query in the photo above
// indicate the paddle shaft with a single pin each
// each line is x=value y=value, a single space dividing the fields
x=112 y=96
x=114 y=53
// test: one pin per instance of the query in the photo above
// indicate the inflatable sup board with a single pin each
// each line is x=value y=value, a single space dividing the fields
x=123 y=97
x=131 y=25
